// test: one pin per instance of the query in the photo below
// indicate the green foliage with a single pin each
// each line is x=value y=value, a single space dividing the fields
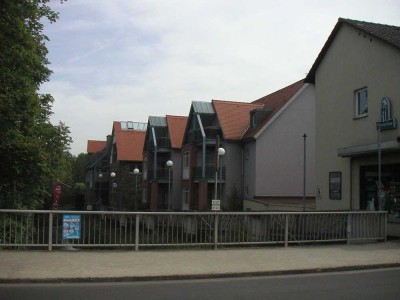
x=78 y=170
x=32 y=150
x=235 y=202
x=80 y=187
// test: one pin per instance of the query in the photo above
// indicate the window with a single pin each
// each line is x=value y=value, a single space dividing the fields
x=253 y=119
x=186 y=162
x=185 y=196
x=361 y=102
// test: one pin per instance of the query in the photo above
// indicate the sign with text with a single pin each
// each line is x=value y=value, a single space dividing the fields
x=215 y=204
x=56 y=195
x=71 y=227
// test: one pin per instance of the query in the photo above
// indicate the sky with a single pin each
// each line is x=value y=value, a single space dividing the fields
x=125 y=60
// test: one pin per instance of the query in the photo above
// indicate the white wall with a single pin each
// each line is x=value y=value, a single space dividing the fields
x=280 y=150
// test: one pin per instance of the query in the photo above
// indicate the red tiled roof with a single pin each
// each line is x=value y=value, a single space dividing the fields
x=95 y=146
x=176 y=128
x=234 y=117
x=129 y=143
x=274 y=102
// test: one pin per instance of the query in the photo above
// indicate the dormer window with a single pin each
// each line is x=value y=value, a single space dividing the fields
x=253 y=120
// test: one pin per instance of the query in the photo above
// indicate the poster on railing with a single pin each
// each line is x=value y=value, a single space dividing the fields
x=71 y=227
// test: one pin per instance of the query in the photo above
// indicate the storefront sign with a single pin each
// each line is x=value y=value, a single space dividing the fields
x=335 y=185
x=386 y=122
x=71 y=227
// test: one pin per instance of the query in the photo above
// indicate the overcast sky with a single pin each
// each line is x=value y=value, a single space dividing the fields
x=127 y=59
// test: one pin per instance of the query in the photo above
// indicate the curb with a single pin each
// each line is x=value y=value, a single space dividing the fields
x=199 y=276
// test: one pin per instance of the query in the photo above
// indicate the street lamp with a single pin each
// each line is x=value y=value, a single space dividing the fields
x=169 y=165
x=114 y=185
x=100 y=181
x=304 y=172
x=136 y=172
x=220 y=152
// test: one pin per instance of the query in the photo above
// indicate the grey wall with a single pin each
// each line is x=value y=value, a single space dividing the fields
x=232 y=160
x=249 y=170
x=280 y=150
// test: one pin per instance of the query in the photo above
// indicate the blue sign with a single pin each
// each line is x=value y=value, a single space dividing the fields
x=71 y=227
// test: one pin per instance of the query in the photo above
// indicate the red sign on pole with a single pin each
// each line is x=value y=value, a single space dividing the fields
x=56 y=195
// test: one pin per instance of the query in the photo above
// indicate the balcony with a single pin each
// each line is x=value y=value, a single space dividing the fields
x=161 y=174
x=162 y=142
x=211 y=132
x=209 y=174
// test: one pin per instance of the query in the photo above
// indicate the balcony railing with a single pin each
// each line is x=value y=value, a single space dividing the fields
x=197 y=173
x=210 y=132
x=161 y=173
x=163 y=142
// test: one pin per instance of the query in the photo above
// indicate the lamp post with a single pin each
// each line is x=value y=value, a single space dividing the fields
x=220 y=152
x=100 y=181
x=169 y=165
x=136 y=172
x=113 y=184
x=304 y=173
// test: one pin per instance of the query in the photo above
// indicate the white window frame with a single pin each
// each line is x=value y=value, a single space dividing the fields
x=185 y=195
x=357 y=93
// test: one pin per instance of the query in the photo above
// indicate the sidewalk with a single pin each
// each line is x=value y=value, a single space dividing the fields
x=90 y=265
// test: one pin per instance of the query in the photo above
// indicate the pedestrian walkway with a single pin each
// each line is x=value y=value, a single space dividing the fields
x=94 y=265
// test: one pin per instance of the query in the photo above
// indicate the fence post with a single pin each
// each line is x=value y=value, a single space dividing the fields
x=215 y=232
x=349 y=226
x=50 y=231
x=137 y=233
x=286 y=230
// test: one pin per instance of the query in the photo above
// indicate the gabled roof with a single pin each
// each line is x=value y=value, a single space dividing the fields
x=386 y=33
x=176 y=128
x=274 y=102
x=129 y=143
x=95 y=146
x=234 y=117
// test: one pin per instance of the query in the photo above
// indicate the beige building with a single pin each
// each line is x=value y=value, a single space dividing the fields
x=357 y=87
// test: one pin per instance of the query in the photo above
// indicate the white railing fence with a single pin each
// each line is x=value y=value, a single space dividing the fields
x=134 y=230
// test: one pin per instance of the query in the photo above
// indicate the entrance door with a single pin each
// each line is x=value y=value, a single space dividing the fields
x=390 y=176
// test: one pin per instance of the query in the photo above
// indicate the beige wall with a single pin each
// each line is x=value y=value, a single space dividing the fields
x=353 y=61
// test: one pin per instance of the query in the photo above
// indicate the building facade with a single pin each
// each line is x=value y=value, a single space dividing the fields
x=278 y=160
x=356 y=78
x=161 y=181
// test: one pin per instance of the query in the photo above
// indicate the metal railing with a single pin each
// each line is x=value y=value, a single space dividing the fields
x=111 y=229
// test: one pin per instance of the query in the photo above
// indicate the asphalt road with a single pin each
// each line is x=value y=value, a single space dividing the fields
x=368 y=284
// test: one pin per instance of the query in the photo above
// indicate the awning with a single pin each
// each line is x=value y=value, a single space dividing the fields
x=368 y=149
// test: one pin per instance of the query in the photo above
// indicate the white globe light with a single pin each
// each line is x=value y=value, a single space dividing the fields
x=100 y=175
x=136 y=171
x=112 y=174
x=169 y=163
x=221 y=151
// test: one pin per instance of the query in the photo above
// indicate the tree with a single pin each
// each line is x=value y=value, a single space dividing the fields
x=31 y=148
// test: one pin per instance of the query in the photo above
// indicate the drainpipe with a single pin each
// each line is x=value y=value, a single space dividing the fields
x=351 y=184
x=155 y=153
x=242 y=172
x=203 y=134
